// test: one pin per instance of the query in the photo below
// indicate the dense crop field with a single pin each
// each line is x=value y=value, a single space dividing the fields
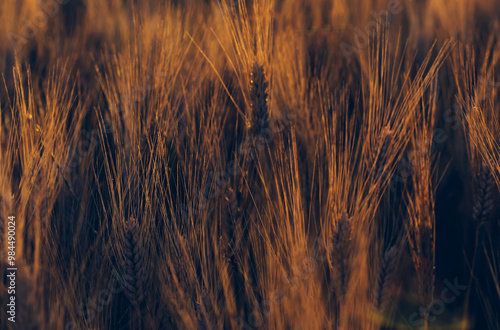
x=273 y=164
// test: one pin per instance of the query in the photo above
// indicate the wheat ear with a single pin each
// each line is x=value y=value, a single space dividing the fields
x=257 y=126
x=484 y=202
x=134 y=277
x=425 y=266
x=258 y=99
x=339 y=254
x=231 y=230
x=385 y=277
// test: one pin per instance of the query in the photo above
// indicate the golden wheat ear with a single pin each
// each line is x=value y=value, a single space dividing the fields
x=258 y=98
x=484 y=201
x=134 y=276
x=339 y=255
x=385 y=277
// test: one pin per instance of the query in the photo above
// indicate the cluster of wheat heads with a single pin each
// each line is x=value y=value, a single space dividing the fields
x=226 y=164
x=479 y=111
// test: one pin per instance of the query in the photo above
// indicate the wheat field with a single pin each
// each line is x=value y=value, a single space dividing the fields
x=258 y=164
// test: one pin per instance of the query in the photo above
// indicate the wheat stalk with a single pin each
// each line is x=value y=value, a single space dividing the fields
x=134 y=277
